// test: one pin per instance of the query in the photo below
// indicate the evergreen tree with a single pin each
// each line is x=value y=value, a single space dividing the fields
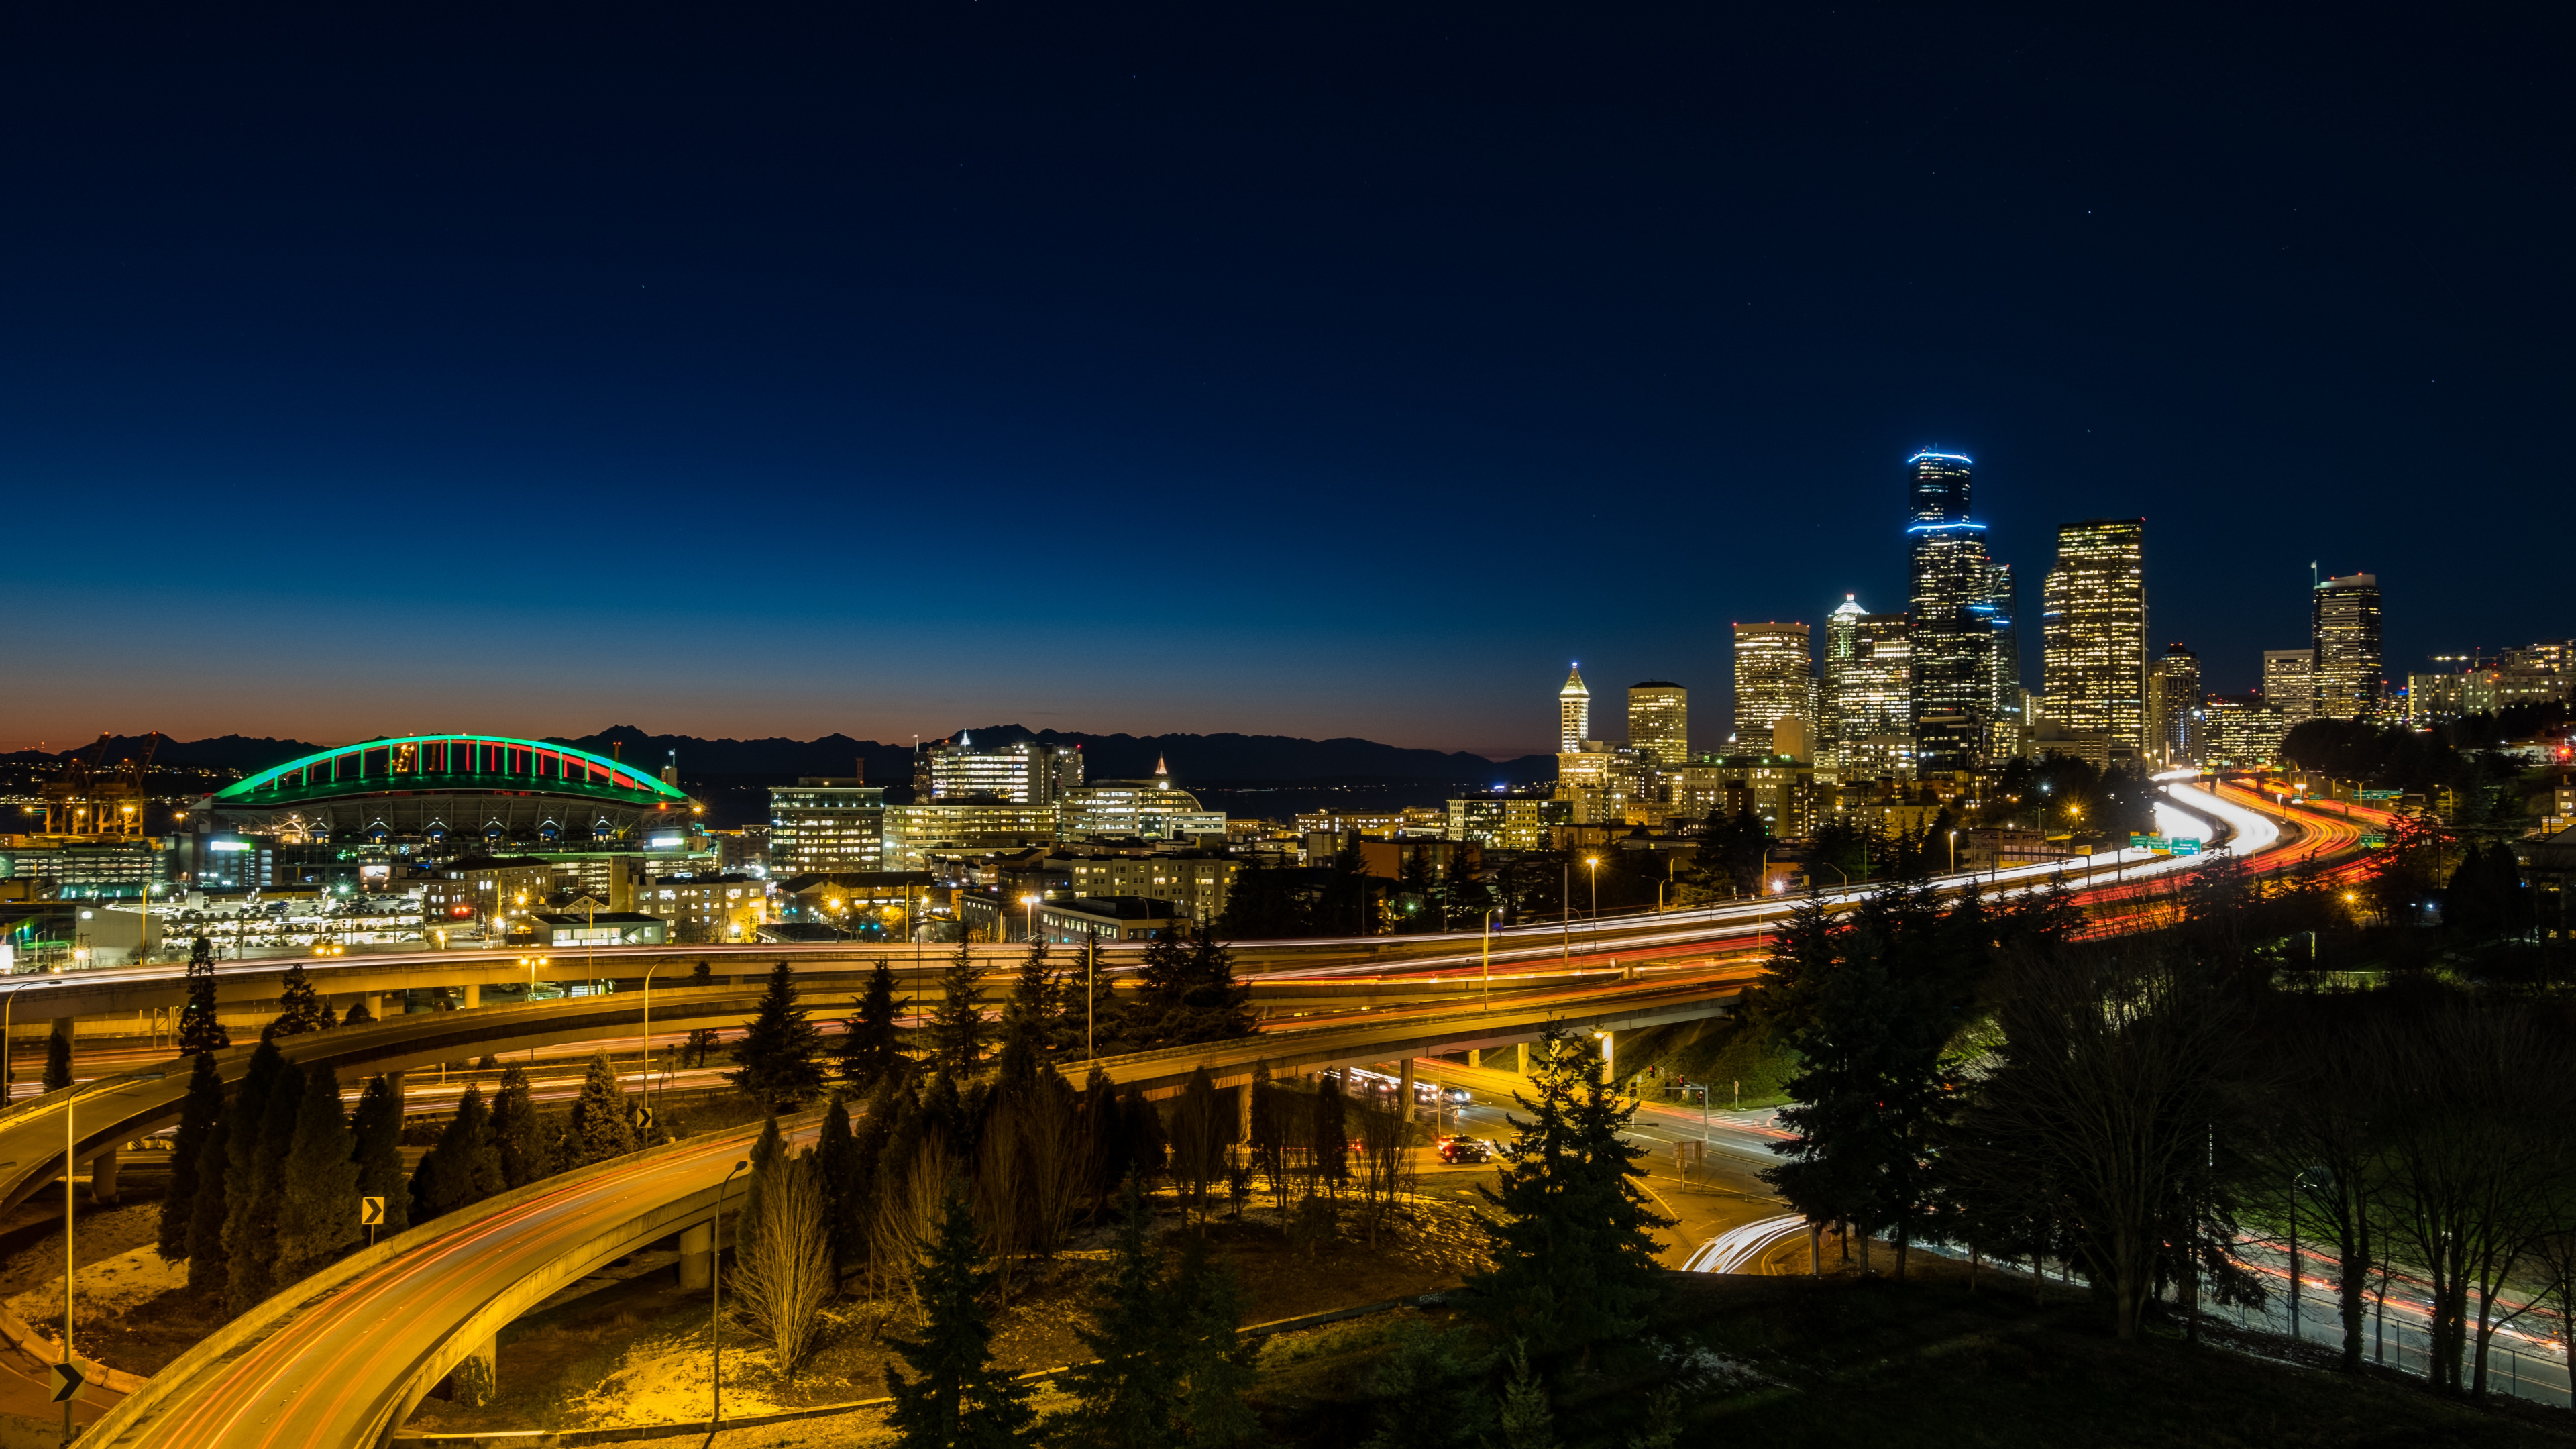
x=358 y=1015
x=58 y=1062
x=199 y=1031
x=1104 y=1137
x=601 y=1128
x=1218 y=1365
x=838 y=1172
x=702 y=1040
x=1125 y=1398
x=871 y=1049
x=518 y=1135
x=774 y=1061
x=317 y=1212
x=771 y=1146
x=303 y=1008
x=1348 y=904
x=957 y=1031
x=205 y=1103
x=1328 y=1145
x=1187 y=994
x=1430 y=1390
x=1028 y=1018
x=377 y=1128
x=250 y=1231
x=955 y=1397
x=1464 y=900
x=469 y=1165
x=422 y=1196
x=1413 y=889
x=1268 y=903
x=1269 y=1132
x=1147 y=1147
x=207 y=1267
x=1574 y=1251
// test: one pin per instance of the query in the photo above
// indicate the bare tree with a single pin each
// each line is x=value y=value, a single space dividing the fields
x=785 y=1272
x=2107 y=1082
x=1055 y=1159
x=1386 y=1167
x=2322 y=1130
x=1000 y=1189
x=1199 y=1132
x=909 y=1204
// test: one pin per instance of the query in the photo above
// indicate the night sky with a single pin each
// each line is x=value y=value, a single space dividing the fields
x=1340 y=372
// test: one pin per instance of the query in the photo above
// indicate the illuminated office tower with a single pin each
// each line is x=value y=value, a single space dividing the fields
x=2002 y=611
x=1026 y=773
x=2174 y=707
x=1952 y=617
x=1573 y=713
x=1775 y=679
x=1659 y=722
x=1868 y=680
x=2347 y=634
x=2094 y=623
x=2290 y=682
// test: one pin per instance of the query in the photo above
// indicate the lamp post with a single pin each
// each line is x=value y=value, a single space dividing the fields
x=70 y=1100
x=1032 y=903
x=1090 y=973
x=1565 y=915
x=1954 y=852
x=645 y=1042
x=1489 y=958
x=1592 y=864
x=715 y=1279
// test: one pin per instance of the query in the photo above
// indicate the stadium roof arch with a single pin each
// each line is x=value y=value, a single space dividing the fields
x=448 y=765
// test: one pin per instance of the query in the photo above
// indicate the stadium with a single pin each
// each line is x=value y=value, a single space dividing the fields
x=443 y=794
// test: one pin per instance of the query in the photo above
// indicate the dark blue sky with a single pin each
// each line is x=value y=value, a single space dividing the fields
x=1322 y=371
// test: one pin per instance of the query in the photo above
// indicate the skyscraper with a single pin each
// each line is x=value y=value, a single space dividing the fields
x=2290 y=682
x=1775 y=679
x=2174 y=707
x=1573 y=713
x=2094 y=623
x=1659 y=722
x=2347 y=635
x=1953 y=617
x=1868 y=680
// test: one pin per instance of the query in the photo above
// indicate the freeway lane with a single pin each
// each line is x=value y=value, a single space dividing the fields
x=354 y=1360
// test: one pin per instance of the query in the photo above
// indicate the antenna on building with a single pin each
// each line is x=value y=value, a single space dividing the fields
x=2313 y=580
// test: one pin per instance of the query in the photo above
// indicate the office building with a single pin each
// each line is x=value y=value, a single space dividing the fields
x=2347 y=640
x=914 y=833
x=1953 y=615
x=2002 y=612
x=2539 y=674
x=2174 y=707
x=2094 y=623
x=825 y=823
x=1775 y=679
x=708 y=909
x=1150 y=809
x=2434 y=698
x=1507 y=822
x=1659 y=722
x=2290 y=682
x=1573 y=712
x=1868 y=683
x=2243 y=732
x=1196 y=882
x=1081 y=920
x=1026 y=773
x=1601 y=783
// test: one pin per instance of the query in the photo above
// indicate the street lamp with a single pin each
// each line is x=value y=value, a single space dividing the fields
x=715 y=1277
x=645 y=1043
x=1032 y=903
x=1592 y=863
x=1489 y=958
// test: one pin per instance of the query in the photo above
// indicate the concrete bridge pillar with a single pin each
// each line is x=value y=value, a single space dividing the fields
x=697 y=1256
x=1243 y=1113
x=1522 y=1065
x=375 y=1004
x=102 y=1177
x=473 y=997
x=1404 y=1086
x=63 y=1027
x=395 y=1081
x=1475 y=1056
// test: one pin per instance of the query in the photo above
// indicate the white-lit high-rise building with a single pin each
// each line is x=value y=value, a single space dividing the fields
x=1659 y=722
x=2094 y=625
x=1775 y=679
x=1962 y=626
x=1867 y=692
x=2174 y=707
x=2290 y=683
x=1026 y=773
x=2347 y=636
x=1573 y=713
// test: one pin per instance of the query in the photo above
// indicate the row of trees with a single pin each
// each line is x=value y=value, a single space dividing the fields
x=2141 y=1107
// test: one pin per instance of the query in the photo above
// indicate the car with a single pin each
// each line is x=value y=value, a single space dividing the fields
x=1463 y=1149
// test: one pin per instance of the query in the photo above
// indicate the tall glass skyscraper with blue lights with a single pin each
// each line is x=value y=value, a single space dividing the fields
x=1966 y=661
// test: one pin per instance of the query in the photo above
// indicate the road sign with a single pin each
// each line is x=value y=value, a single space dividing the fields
x=2185 y=845
x=67 y=1381
x=643 y=1118
x=371 y=1211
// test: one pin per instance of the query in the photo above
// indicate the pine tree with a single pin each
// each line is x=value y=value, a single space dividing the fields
x=1574 y=1252
x=955 y=1398
x=303 y=1008
x=957 y=1031
x=775 y=1059
x=701 y=1041
x=1124 y=1398
x=1328 y=1145
x=58 y=1062
x=871 y=1051
x=1413 y=886
x=1463 y=898
x=197 y=1114
x=207 y=1267
x=1269 y=1132
x=1147 y=1147
x=317 y=1212
x=358 y=1015
x=601 y=1128
x=259 y=1196
x=199 y=1031
x=1187 y=994
x=1526 y=1420
x=1104 y=1137
x=1218 y=1365
x=837 y=1172
x=377 y=1128
x=469 y=1166
x=1028 y=1018
x=518 y=1135
x=771 y=1146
